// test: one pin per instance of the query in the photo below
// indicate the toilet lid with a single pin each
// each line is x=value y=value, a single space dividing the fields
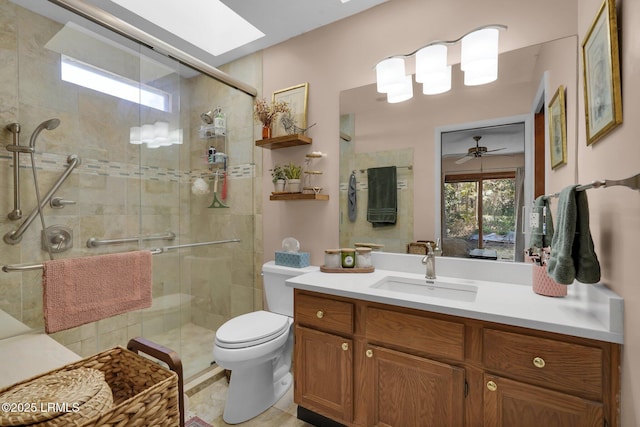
x=251 y=329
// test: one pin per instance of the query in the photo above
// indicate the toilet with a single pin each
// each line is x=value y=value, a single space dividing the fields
x=257 y=348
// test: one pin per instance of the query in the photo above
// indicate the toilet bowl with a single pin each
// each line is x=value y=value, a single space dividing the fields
x=257 y=348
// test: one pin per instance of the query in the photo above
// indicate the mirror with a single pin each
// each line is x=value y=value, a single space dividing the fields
x=413 y=136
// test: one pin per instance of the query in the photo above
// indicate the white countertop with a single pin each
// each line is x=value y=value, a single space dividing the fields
x=590 y=311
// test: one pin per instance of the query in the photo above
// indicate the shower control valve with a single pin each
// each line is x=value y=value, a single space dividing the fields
x=59 y=202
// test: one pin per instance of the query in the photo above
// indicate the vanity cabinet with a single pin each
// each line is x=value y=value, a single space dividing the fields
x=362 y=363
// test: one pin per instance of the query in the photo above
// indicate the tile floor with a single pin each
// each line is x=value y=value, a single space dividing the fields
x=194 y=344
x=208 y=404
x=207 y=401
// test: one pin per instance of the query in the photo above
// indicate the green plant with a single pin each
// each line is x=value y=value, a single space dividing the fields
x=293 y=171
x=278 y=172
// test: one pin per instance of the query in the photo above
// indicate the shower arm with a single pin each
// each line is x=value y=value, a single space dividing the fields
x=14 y=237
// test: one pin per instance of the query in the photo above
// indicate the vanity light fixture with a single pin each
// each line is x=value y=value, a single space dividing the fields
x=479 y=61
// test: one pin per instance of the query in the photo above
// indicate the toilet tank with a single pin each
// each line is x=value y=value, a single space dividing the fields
x=279 y=296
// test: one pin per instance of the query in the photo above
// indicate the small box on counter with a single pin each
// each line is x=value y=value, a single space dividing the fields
x=293 y=259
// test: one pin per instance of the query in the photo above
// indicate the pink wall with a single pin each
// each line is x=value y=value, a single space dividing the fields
x=615 y=212
x=342 y=56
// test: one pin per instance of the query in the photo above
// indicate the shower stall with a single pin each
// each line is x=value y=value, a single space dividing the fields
x=132 y=119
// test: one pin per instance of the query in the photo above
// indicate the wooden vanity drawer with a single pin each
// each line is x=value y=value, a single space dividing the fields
x=432 y=336
x=568 y=367
x=323 y=313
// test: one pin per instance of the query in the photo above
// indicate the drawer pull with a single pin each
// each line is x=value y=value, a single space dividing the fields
x=369 y=353
x=538 y=362
x=320 y=314
x=492 y=386
x=345 y=346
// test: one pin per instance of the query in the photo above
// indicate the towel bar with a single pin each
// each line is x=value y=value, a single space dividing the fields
x=633 y=182
x=156 y=251
x=94 y=243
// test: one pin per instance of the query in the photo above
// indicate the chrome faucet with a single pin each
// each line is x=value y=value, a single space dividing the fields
x=430 y=262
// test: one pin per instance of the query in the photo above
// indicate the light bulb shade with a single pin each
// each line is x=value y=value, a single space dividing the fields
x=389 y=73
x=147 y=134
x=429 y=60
x=134 y=135
x=401 y=91
x=481 y=75
x=479 y=56
x=176 y=136
x=437 y=81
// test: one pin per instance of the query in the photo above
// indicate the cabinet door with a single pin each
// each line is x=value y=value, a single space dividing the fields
x=412 y=391
x=323 y=373
x=509 y=403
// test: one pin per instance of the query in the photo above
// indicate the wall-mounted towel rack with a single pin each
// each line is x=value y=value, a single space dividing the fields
x=632 y=182
x=94 y=242
x=156 y=251
x=410 y=167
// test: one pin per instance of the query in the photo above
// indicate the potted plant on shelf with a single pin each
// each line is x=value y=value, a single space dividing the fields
x=266 y=112
x=293 y=173
x=278 y=178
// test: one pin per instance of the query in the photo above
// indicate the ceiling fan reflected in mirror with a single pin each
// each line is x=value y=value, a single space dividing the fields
x=477 y=151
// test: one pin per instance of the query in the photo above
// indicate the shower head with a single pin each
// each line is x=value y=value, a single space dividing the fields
x=48 y=125
x=207 y=117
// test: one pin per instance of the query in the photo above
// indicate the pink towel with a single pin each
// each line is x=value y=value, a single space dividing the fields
x=83 y=290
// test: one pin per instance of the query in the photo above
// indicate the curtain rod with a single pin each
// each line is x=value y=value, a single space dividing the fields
x=156 y=251
x=633 y=182
x=117 y=25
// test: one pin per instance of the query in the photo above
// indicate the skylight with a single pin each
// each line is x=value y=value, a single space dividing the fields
x=209 y=25
x=94 y=78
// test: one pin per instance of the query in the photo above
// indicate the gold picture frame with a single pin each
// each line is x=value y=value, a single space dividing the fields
x=296 y=97
x=558 y=129
x=601 y=65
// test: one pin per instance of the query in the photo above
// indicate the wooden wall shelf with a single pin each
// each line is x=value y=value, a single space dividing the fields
x=284 y=141
x=298 y=196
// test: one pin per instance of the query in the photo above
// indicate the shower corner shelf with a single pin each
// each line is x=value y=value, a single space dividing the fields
x=284 y=141
x=298 y=196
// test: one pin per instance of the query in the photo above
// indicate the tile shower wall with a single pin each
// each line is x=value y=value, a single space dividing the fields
x=123 y=190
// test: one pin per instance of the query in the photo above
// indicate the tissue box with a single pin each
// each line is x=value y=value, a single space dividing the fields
x=293 y=259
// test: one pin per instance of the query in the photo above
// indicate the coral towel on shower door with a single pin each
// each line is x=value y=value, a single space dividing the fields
x=77 y=291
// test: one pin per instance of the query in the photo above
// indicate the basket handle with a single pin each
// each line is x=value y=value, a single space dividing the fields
x=168 y=356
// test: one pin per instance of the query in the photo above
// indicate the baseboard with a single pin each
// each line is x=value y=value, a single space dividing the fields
x=316 y=419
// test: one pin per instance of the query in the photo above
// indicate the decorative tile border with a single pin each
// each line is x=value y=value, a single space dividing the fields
x=56 y=162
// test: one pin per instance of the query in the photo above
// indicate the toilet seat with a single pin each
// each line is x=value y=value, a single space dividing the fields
x=251 y=329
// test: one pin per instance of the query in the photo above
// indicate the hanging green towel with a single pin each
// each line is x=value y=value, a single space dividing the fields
x=541 y=236
x=584 y=255
x=382 y=207
x=572 y=251
x=560 y=266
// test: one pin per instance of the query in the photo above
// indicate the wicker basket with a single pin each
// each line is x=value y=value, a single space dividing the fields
x=144 y=393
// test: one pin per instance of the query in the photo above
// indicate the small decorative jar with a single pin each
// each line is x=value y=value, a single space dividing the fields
x=332 y=258
x=348 y=257
x=363 y=257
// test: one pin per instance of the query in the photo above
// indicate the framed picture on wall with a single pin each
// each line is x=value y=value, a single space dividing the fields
x=602 y=95
x=558 y=129
x=296 y=97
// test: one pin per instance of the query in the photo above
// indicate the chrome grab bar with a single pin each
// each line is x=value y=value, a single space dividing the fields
x=191 y=245
x=94 y=242
x=14 y=237
x=156 y=251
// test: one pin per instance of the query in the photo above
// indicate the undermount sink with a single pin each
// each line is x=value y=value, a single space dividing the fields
x=430 y=288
